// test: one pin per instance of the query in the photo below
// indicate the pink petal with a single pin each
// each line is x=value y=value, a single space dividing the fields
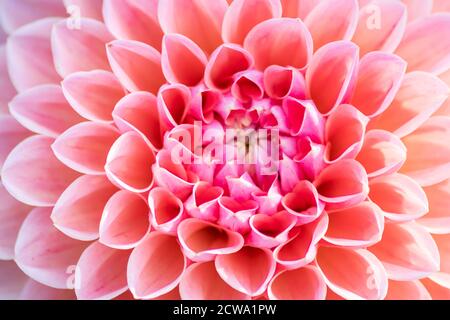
x=441 y=6
x=248 y=86
x=300 y=284
x=89 y=8
x=382 y=153
x=280 y=83
x=298 y=8
x=15 y=14
x=125 y=220
x=407 y=290
x=78 y=211
x=133 y=20
x=202 y=240
x=303 y=119
x=12 y=215
x=249 y=270
x=301 y=249
x=381 y=26
x=243 y=15
x=443 y=276
x=36 y=291
x=44 y=253
x=344 y=183
x=29 y=55
x=418 y=8
x=201 y=21
x=84 y=147
x=379 y=78
x=344 y=133
x=136 y=65
x=428 y=159
x=399 y=196
x=422 y=35
x=331 y=75
x=8 y=91
x=437 y=291
x=173 y=104
x=303 y=202
x=203 y=203
x=437 y=220
x=11 y=134
x=101 y=273
x=235 y=214
x=332 y=21
x=202 y=282
x=182 y=60
x=270 y=231
x=166 y=210
x=138 y=112
x=359 y=226
x=444 y=110
x=44 y=110
x=129 y=163
x=281 y=41
x=80 y=49
x=12 y=279
x=420 y=95
x=33 y=175
x=407 y=251
x=353 y=274
x=155 y=266
x=226 y=61
x=93 y=94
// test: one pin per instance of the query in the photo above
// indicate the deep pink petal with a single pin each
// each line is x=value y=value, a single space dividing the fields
x=270 y=231
x=166 y=210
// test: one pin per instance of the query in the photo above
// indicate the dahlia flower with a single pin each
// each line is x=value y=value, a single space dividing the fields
x=246 y=149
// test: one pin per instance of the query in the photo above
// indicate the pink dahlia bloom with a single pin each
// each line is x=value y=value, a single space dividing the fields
x=246 y=149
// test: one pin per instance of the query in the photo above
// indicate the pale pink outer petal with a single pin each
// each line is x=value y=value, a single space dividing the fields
x=199 y=20
x=12 y=279
x=44 y=110
x=249 y=270
x=418 y=8
x=359 y=226
x=422 y=35
x=129 y=163
x=34 y=290
x=101 y=273
x=282 y=41
x=407 y=290
x=81 y=49
x=437 y=220
x=445 y=109
x=407 y=251
x=298 y=8
x=11 y=134
x=332 y=21
x=243 y=15
x=136 y=65
x=17 y=13
x=428 y=159
x=156 y=266
x=12 y=215
x=353 y=274
x=133 y=20
x=8 y=91
x=420 y=95
x=78 y=211
x=44 y=253
x=300 y=284
x=203 y=241
x=443 y=276
x=380 y=76
x=93 y=94
x=125 y=220
x=29 y=55
x=441 y=6
x=382 y=153
x=85 y=146
x=330 y=78
x=33 y=175
x=88 y=8
x=381 y=26
x=399 y=196
x=202 y=282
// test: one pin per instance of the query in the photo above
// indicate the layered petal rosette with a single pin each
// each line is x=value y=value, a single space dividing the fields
x=240 y=149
